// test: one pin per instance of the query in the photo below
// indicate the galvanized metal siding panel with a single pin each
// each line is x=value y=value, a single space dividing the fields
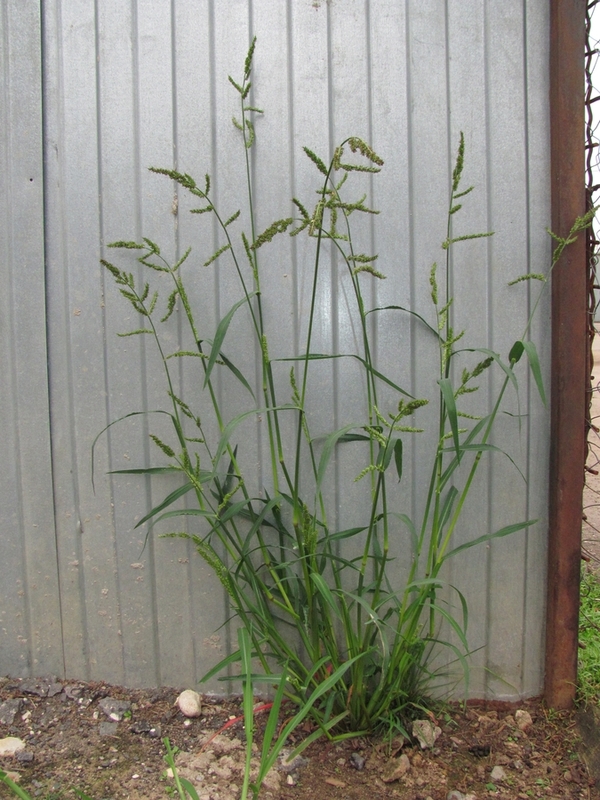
x=133 y=85
x=30 y=618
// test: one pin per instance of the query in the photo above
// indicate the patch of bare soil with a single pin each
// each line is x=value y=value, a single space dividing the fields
x=107 y=741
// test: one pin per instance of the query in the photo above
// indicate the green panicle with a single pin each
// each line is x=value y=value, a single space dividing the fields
x=128 y=245
x=201 y=210
x=363 y=259
x=460 y=162
x=219 y=252
x=251 y=134
x=236 y=86
x=483 y=365
x=264 y=346
x=164 y=447
x=280 y=226
x=182 y=259
x=406 y=409
x=446 y=244
x=301 y=209
x=248 y=61
x=231 y=219
x=188 y=353
x=371 y=270
x=237 y=124
x=316 y=161
x=183 y=406
x=114 y=271
x=227 y=497
x=135 y=333
x=375 y=432
x=365 y=150
x=152 y=303
x=531 y=276
x=368 y=470
x=358 y=168
x=433 y=284
x=182 y=178
x=464 y=193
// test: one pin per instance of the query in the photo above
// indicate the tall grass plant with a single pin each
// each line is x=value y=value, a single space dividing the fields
x=354 y=647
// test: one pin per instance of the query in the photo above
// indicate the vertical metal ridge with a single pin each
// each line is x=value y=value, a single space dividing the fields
x=411 y=229
x=490 y=331
x=528 y=375
x=102 y=244
x=11 y=341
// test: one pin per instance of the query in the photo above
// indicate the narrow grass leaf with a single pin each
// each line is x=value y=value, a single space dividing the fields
x=120 y=419
x=448 y=395
x=398 y=458
x=325 y=592
x=367 y=366
x=328 y=448
x=273 y=719
x=145 y=471
x=518 y=526
x=347 y=534
x=184 y=512
x=189 y=788
x=14 y=787
x=408 y=311
x=169 y=500
x=230 y=366
x=220 y=335
x=534 y=363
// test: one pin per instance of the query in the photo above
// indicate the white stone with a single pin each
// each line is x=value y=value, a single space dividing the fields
x=426 y=732
x=189 y=703
x=523 y=719
x=10 y=746
x=498 y=774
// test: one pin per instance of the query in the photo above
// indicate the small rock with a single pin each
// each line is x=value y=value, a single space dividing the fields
x=141 y=726
x=523 y=719
x=426 y=732
x=291 y=765
x=357 y=761
x=108 y=728
x=10 y=746
x=40 y=688
x=335 y=782
x=24 y=756
x=290 y=780
x=189 y=703
x=455 y=795
x=397 y=767
x=498 y=774
x=9 y=710
x=114 y=709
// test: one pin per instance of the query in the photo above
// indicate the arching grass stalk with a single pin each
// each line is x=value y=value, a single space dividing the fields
x=353 y=643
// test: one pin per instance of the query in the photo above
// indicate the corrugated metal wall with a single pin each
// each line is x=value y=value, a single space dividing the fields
x=95 y=92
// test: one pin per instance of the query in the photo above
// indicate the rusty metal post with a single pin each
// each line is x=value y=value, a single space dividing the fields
x=569 y=365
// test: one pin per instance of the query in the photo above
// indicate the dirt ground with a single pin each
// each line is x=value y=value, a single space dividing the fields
x=107 y=741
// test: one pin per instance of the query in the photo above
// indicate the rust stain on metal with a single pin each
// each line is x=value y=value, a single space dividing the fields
x=569 y=363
